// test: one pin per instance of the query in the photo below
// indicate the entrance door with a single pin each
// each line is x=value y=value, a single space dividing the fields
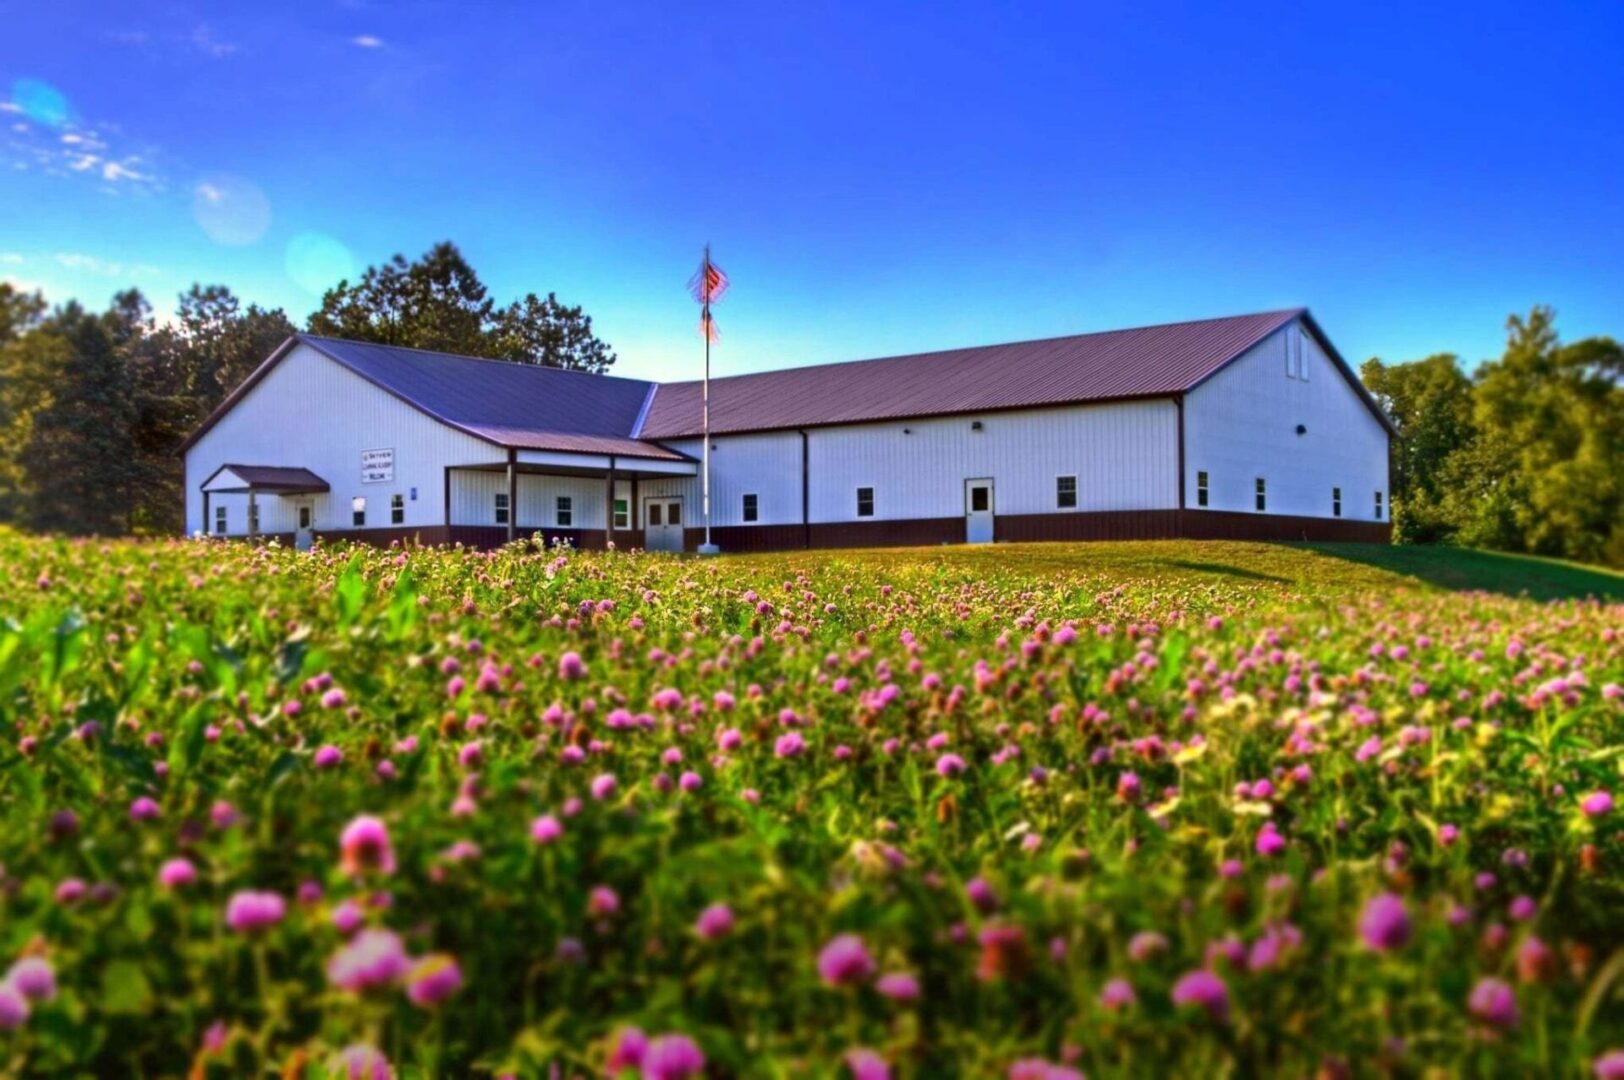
x=978 y=511
x=304 y=533
x=662 y=523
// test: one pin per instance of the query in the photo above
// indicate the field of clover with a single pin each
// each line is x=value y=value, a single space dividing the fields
x=536 y=813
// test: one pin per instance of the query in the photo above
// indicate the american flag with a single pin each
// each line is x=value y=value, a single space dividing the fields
x=706 y=287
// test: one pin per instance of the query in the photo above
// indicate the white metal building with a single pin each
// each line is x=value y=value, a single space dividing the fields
x=1251 y=426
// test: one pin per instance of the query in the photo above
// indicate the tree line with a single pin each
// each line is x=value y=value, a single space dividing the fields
x=94 y=405
x=1523 y=454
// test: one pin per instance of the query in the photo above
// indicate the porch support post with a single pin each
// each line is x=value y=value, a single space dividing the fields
x=609 y=507
x=513 y=495
x=206 y=526
x=253 y=515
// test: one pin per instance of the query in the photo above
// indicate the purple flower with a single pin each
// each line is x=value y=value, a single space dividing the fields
x=672 y=1057
x=865 y=1064
x=364 y=845
x=328 y=757
x=1385 y=923
x=545 y=829
x=1494 y=1003
x=603 y=786
x=375 y=958
x=949 y=765
x=629 y=1048
x=1270 y=842
x=981 y=895
x=1609 y=1066
x=1145 y=944
x=898 y=986
x=33 y=978
x=571 y=667
x=714 y=922
x=789 y=745
x=13 y=1007
x=145 y=809
x=1204 y=990
x=845 y=961
x=249 y=911
x=1117 y=994
x=433 y=979
x=1596 y=804
x=362 y=1062
x=177 y=873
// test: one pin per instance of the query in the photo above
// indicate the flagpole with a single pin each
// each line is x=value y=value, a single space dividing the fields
x=707 y=548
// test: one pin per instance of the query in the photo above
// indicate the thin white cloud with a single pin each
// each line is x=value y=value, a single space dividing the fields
x=11 y=258
x=10 y=106
x=367 y=41
x=204 y=41
x=77 y=149
x=90 y=264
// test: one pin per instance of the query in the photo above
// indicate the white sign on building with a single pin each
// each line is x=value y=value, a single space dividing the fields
x=377 y=466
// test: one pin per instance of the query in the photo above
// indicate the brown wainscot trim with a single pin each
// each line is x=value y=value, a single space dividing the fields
x=1239 y=525
x=744 y=538
x=1087 y=525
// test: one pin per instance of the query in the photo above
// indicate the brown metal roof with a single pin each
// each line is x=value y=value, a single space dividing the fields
x=278 y=479
x=1151 y=361
x=535 y=408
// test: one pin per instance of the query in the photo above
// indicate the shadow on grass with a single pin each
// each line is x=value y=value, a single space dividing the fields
x=1464 y=569
x=1226 y=570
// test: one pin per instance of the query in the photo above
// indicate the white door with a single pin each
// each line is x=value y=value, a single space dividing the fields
x=662 y=523
x=304 y=532
x=978 y=511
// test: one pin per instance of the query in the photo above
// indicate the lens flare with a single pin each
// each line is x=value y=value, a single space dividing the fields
x=230 y=209
x=40 y=102
x=317 y=262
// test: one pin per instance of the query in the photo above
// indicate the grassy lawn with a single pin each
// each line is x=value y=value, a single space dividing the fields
x=1296 y=567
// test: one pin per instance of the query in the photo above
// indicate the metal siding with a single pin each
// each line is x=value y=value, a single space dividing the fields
x=1242 y=424
x=1125 y=457
x=310 y=412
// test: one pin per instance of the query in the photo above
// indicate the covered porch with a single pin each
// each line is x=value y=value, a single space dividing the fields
x=585 y=500
x=292 y=491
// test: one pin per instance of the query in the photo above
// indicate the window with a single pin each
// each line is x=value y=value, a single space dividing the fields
x=1065 y=492
x=304 y=517
x=1336 y=502
x=654 y=514
x=1201 y=489
x=220 y=520
x=397 y=509
x=865 y=502
x=980 y=498
x=1378 y=506
x=358 y=511
x=566 y=512
x=1262 y=494
x=1296 y=357
x=751 y=509
x=501 y=508
x=623 y=514
x=253 y=518
x=673 y=513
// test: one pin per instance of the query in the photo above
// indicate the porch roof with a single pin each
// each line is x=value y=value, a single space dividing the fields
x=270 y=479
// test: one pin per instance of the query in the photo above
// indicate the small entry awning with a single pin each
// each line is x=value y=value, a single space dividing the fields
x=268 y=479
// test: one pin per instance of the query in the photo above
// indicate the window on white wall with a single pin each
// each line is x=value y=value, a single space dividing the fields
x=1201 y=489
x=1336 y=502
x=502 y=508
x=865 y=502
x=397 y=509
x=1262 y=493
x=1296 y=355
x=253 y=519
x=565 y=512
x=1378 y=506
x=751 y=508
x=1065 y=492
x=623 y=514
x=220 y=520
x=358 y=511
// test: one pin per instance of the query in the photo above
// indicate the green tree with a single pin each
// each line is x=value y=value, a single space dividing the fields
x=30 y=359
x=79 y=457
x=437 y=302
x=548 y=333
x=1430 y=402
x=1542 y=475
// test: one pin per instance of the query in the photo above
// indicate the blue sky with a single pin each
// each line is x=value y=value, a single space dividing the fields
x=875 y=178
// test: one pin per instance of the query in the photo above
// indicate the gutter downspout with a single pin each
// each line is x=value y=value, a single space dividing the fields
x=806 y=496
